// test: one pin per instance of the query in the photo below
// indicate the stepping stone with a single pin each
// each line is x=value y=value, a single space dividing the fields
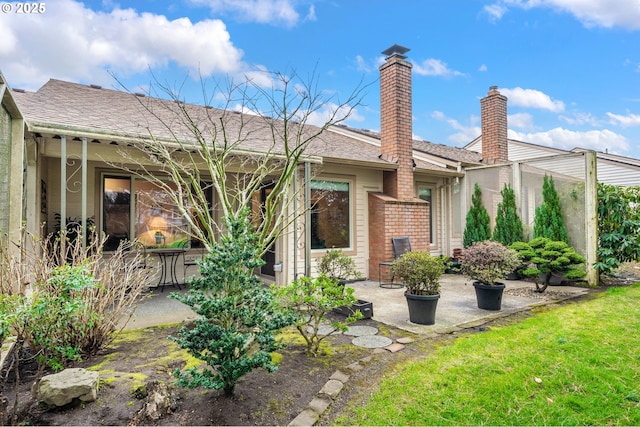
x=394 y=348
x=404 y=340
x=323 y=330
x=371 y=341
x=358 y=331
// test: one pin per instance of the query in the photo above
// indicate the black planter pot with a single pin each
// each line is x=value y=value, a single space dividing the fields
x=365 y=307
x=422 y=308
x=489 y=296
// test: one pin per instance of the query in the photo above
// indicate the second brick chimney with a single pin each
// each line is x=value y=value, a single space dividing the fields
x=396 y=131
x=493 y=112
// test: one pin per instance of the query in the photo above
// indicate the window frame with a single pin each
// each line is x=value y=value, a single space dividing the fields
x=104 y=174
x=350 y=225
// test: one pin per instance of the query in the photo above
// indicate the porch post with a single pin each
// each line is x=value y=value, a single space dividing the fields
x=83 y=218
x=307 y=219
x=63 y=183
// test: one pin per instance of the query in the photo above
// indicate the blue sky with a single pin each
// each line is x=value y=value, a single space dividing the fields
x=570 y=68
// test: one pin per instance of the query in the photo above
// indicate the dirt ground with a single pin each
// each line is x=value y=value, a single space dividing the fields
x=262 y=398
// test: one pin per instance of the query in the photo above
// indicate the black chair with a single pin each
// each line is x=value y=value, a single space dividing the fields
x=401 y=245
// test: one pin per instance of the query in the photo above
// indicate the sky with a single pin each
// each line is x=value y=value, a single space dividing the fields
x=569 y=68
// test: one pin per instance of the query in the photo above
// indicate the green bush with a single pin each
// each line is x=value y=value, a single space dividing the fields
x=508 y=223
x=310 y=299
x=618 y=225
x=548 y=221
x=543 y=257
x=335 y=264
x=56 y=320
x=421 y=272
x=239 y=317
x=478 y=224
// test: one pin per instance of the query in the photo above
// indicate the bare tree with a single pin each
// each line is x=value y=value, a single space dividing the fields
x=257 y=139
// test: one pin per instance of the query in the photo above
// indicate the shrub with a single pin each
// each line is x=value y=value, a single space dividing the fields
x=335 y=264
x=548 y=221
x=618 y=225
x=478 y=224
x=543 y=256
x=56 y=320
x=421 y=272
x=488 y=261
x=508 y=223
x=310 y=299
x=239 y=317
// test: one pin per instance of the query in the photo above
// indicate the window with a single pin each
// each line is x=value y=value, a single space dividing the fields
x=330 y=214
x=153 y=219
x=426 y=193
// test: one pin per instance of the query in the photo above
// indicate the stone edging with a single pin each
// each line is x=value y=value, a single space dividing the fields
x=332 y=388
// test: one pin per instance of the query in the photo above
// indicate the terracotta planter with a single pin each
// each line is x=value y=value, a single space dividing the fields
x=422 y=308
x=489 y=297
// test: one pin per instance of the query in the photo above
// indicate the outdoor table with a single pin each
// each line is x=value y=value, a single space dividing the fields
x=168 y=260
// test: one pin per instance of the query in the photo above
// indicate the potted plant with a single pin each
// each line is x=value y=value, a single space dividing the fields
x=341 y=268
x=486 y=263
x=421 y=274
x=551 y=261
x=336 y=265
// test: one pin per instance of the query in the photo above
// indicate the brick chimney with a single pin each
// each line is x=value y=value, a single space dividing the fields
x=493 y=111
x=396 y=131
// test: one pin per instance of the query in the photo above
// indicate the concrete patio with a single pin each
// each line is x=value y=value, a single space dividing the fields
x=457 y=307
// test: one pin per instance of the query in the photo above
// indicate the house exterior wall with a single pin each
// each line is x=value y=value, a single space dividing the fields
x=5 y=165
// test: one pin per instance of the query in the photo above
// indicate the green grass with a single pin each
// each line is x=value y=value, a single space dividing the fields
x=575 y=365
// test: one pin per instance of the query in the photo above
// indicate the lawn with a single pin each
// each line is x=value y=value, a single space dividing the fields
x=578 y=364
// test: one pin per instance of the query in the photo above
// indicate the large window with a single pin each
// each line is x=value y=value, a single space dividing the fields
x=152 y=219
x=330 y=214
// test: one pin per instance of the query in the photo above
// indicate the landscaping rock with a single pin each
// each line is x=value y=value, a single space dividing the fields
x=159 y=401
x=62 y=388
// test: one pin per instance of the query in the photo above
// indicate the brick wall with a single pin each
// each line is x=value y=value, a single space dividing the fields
x=493 y=111
x=390 y=217
x=396 y=129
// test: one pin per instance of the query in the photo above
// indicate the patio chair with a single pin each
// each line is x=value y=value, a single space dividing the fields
x=401 y=245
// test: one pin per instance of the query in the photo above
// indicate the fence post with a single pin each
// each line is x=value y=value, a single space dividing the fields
x=591 y=215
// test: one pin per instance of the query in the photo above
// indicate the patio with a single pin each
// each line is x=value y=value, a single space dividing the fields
x=457 y=308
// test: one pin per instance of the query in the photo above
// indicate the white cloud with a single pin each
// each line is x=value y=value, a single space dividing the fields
x=599 y=140
x=520 y=121
x=483 y=68
x=276 y=12
x=331 y=110
x=579 y=119
x=464 y=134
x=592 y=13
x=495 y=11
x=532 y=98
x=84 y=43
x=625 y=121
x=434 y=67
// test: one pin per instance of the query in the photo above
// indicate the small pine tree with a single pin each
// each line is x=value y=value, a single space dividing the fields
x=508 y=223
x=239 y=317
x=548 y=220
x=478 y=223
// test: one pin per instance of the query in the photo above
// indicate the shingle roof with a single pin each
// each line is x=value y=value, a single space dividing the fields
x=73 y=107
